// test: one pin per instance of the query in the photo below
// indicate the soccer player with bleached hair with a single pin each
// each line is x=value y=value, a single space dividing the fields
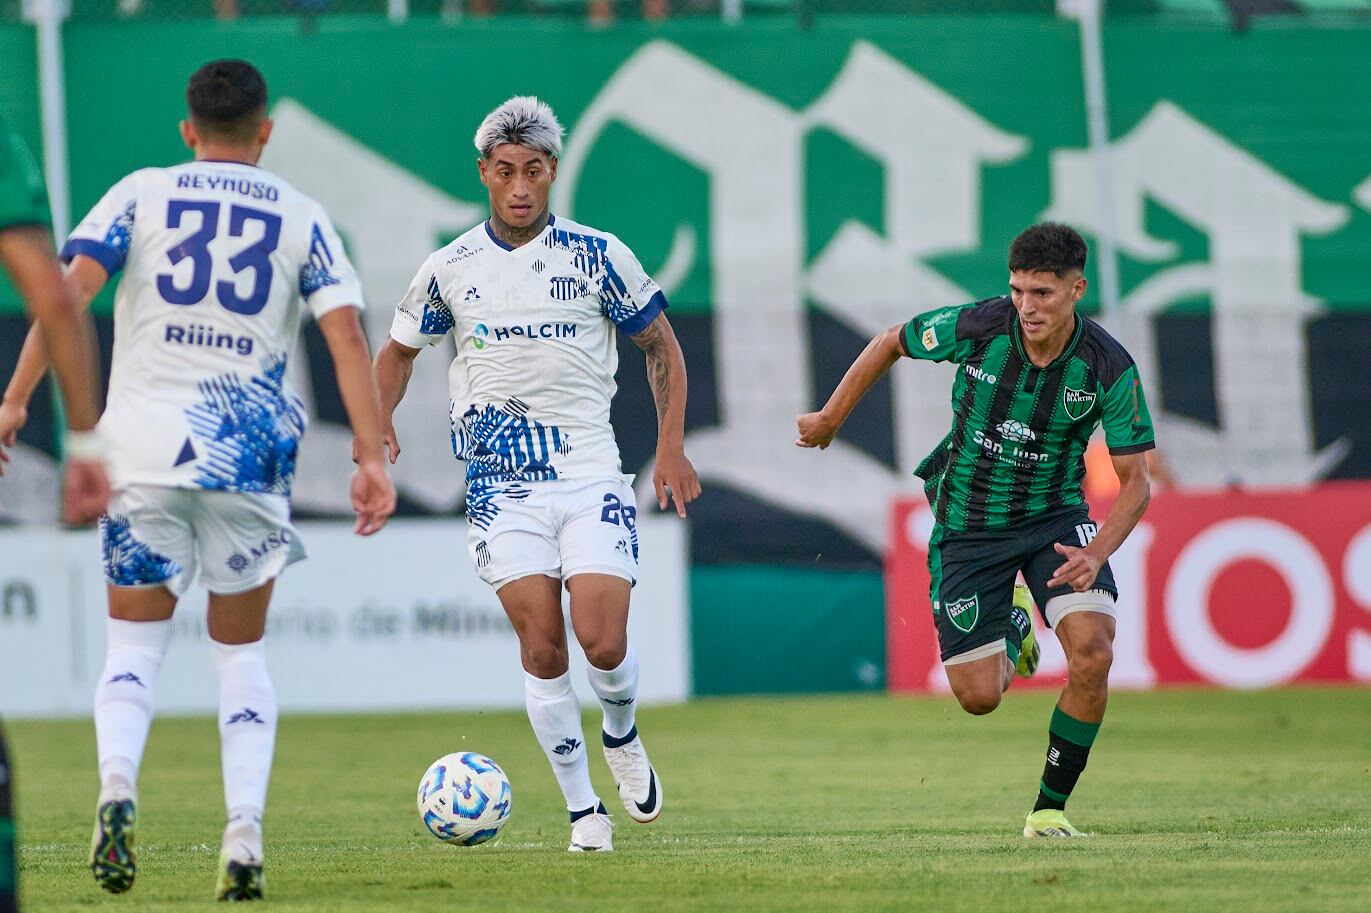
x=202 y=429
x=1035 y=378
x=532 y=302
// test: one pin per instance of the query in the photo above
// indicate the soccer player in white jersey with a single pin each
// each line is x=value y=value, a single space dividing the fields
x=533 y=302
x=202 y=429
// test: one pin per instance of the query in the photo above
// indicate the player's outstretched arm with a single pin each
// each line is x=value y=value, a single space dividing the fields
x=666 y=375
x=61 y=330
x=817 y=429
x=394 y=367
x=373 y=494
x=1135 y=490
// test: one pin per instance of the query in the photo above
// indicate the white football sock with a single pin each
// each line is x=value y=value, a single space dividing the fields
x=617 y=689
x=124 y=701
x=243 y=834
x=556 y=717
x=247 y=725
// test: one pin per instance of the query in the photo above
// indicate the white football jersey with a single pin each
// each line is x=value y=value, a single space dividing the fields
x=534 y=328
x=216 y=258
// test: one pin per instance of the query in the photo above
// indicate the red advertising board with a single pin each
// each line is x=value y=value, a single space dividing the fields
x=1236 y=589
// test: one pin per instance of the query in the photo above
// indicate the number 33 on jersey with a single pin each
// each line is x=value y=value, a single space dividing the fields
x=217 y=258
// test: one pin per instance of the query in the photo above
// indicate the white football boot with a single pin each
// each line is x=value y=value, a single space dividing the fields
x=592 y=832
x=639 y=788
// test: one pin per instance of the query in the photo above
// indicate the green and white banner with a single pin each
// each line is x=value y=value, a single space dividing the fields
x=795 y=192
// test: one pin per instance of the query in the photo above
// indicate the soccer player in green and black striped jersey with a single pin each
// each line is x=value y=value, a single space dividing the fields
x=1034 y=380
x=26 y=255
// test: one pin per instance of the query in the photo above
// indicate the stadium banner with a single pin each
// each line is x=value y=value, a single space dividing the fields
x=1234 y=589
x=807 y=188
x=398 y=621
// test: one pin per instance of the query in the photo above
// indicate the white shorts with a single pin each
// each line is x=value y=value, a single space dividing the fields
x=153 y=535
x=560 y=528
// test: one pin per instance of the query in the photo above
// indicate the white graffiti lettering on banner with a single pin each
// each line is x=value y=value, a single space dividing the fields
x=1253 y=217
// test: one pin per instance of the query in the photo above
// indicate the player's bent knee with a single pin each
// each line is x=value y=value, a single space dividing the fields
x=607 y=657
x=1091 y=659
x=979 y=703
x=978 y=699
x=544 y=660
x=605 y=651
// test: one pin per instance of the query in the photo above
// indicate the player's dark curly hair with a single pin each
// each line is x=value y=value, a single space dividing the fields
x=1048 y=247
x=227 y=98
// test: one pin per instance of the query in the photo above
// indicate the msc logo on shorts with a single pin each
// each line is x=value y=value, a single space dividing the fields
x=964 y=613
x=238 y=562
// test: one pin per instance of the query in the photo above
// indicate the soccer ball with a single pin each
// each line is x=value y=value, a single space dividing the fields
x=464 y=798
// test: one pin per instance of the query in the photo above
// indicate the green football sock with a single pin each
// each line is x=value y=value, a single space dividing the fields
x=1068 y=749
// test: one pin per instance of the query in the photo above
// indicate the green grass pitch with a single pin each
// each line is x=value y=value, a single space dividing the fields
x=1198 y=801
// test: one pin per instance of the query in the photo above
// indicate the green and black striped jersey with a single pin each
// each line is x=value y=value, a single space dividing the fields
x=1016 y=452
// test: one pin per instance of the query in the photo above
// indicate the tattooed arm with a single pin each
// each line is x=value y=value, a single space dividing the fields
x=666 y=375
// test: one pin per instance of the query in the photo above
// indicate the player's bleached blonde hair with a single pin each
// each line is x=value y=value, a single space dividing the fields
x=523 y=120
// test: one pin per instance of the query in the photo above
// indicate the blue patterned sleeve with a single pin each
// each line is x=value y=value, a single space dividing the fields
x=327 y=279
x=423 y=316
x=628 y=295
x=106 y=233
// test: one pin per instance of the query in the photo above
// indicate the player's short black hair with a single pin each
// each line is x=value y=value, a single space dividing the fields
x=1048 y=247
x=227 y=98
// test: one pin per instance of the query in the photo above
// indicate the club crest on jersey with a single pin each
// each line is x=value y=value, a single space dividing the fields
x=565 y=288
x=1077 y=402
x=964 y=613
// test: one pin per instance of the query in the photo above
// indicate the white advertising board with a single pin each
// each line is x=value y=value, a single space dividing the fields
x=397 y=621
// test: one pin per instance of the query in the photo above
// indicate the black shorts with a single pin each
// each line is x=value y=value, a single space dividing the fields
x=972 y=578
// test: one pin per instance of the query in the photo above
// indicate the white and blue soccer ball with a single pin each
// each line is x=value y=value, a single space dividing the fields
x=464 y=798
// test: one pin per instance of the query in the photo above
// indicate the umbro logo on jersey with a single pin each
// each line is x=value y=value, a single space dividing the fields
x=127 y=677
x=539 y=266
x=246 y=715
x=567 y=747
